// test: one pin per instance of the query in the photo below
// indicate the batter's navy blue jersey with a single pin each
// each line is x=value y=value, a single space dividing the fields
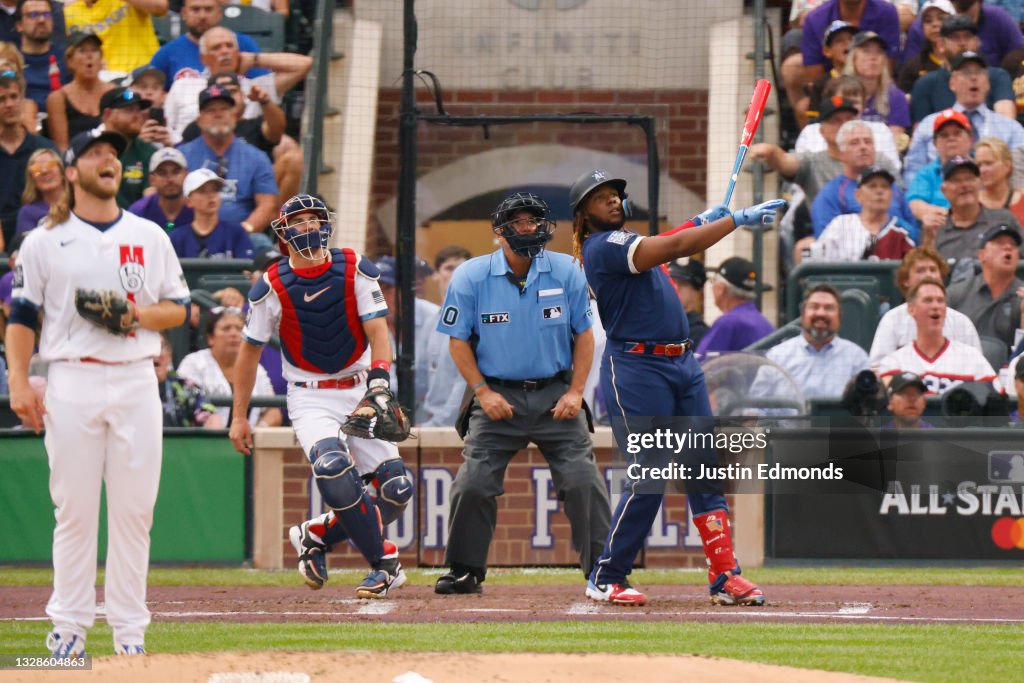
x=522 y=335
x=633 y=306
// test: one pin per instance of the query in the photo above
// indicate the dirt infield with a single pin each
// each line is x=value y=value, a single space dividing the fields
x=380 y=667
x=415 y=604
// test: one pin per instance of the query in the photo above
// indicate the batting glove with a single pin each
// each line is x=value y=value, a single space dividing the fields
x=712 y=214
x=756 y=215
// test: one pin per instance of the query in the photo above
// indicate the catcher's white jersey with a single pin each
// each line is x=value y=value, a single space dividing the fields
x=955 y=364
x=133 y=257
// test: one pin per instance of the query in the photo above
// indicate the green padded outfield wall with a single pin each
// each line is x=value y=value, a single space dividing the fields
x=200 y=510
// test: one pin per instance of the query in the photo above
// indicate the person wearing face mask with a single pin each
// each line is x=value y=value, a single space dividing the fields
x=818 y=360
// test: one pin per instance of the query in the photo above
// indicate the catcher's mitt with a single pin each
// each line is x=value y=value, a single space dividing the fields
x=106 y=309
x=378 y=415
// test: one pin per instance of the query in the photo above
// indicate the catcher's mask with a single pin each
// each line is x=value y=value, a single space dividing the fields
x=526 y=244
x=309 y=241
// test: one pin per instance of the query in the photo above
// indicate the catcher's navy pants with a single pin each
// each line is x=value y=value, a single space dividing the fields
x=646 y=386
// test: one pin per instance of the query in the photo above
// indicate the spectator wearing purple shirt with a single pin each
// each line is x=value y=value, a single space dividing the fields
x=998 y=32
x=867 y=15
x=208 y=236
x=734 y=289
x=166 y=207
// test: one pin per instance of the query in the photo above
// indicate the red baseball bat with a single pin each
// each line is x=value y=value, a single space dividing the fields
x=754 y=114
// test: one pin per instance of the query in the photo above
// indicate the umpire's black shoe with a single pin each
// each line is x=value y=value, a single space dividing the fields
x=453 y=583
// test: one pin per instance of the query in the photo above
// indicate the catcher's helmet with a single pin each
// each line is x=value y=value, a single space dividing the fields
x=591 y=180
x=528 y=244
x=312 y=242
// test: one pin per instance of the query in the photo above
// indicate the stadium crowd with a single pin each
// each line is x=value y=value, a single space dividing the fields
x=902 y=140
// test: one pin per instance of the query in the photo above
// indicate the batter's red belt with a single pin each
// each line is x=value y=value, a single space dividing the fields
x=340 y=383
x=653 y=349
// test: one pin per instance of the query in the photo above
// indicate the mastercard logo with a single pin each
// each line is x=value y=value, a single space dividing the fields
x=1008 y=533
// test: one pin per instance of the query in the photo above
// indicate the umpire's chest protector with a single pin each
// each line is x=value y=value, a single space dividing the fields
x=320 y=327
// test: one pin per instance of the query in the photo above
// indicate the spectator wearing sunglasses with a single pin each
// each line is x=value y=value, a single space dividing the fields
x=45 y=185
x=46 y=70
x=11 y=33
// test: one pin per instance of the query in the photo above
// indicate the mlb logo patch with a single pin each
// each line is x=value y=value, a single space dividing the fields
x=1006 y=466
x=552 y=312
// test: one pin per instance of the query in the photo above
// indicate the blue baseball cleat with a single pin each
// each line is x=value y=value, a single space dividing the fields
x=65 y=645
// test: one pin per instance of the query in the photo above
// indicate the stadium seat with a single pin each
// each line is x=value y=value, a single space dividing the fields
x=995 y=352
x=213 y=282
x=167 y=27
x=266 y=28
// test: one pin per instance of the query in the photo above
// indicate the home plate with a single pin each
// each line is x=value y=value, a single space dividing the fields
x=260 y=677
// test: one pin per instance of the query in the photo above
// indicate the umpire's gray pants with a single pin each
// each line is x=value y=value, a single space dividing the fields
x=490 y=445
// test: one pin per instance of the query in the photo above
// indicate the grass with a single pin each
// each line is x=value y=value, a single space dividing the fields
x=779 y=576
x=915 y=653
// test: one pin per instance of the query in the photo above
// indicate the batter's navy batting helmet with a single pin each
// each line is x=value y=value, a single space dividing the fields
x=588 y=182
x=309 y=243
x=528 y=244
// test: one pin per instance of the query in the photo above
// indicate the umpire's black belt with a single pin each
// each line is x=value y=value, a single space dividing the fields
x=655 y=349
x=526 y=384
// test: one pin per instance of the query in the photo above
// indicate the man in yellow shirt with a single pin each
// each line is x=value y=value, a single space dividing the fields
x=124 y=26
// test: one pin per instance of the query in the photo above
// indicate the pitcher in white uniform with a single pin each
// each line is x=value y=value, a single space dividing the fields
x=102 y=410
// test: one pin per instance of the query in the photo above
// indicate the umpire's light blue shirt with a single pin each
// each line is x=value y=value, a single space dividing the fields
x=521 y=336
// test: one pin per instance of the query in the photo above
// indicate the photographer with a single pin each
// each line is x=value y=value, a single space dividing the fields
x=907 y=402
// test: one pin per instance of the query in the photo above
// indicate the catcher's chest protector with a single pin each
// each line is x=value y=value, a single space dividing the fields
x=320 y=326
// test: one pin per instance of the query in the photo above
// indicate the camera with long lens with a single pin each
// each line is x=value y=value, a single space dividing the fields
x=864 y=395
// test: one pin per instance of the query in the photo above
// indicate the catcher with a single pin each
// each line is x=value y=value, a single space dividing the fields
x=329 y=311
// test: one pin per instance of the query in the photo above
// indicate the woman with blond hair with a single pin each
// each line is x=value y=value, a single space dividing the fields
x=75 y=108
x=995 y=165
x=12 y=60
x=45 y=185
x=884 y=101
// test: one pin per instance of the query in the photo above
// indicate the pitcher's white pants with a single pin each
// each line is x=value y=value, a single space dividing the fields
x=104 y=425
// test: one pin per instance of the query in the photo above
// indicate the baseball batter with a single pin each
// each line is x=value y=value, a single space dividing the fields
x=329 y=311
x=648 y=369
x=102 y=410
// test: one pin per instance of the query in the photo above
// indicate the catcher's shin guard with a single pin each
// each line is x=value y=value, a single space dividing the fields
x=394 y=489
x=342 y=489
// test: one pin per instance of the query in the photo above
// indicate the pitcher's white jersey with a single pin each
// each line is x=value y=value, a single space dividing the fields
x=133 y=257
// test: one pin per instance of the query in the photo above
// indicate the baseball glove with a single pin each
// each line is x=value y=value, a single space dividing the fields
x=106 y=309
x=378 y=415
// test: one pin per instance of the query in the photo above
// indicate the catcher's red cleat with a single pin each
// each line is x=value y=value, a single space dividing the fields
x=736 y=590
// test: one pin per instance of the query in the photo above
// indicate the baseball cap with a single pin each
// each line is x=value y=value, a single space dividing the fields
x=121 y=97
x=998 y=231
x=957 y=22
x=145 y=70
x=739 y=272
x=386 y=266
x=86 y=139
x=875 y=171
x=198 y=178
x=964 y=58
x=688 y=270
x=214 y=92
x=76 y=38
x=958 y=162
x=836 y=103
x=837 y=26
x=263 y=259
x=904 y=380
x=167 y=154
x=943 y=5
x=865 y=37
x=224 y=78
x=950 y=116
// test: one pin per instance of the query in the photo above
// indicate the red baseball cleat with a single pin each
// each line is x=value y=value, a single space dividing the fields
x=736 y=590
x=616 y=593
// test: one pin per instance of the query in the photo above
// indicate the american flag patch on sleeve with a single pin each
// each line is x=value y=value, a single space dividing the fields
x=378 y=296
